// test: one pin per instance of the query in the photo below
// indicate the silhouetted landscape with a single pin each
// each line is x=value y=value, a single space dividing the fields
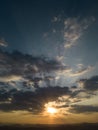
x=84 y=126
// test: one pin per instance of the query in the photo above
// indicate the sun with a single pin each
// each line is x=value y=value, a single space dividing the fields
x=51 y=110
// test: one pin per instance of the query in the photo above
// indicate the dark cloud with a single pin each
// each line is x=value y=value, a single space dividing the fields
x=31 y=101
x=83 y=109
x=90 y=84
x=20 y=79
x=73 y=87
x=75 y=93
x=20 y=75
x=27 y=66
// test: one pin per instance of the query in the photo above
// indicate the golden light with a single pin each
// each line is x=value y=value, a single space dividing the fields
x=51 y=110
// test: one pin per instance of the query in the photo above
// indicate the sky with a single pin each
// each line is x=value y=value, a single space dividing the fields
x=48 y=61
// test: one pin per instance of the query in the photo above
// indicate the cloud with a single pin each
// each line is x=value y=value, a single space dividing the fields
x=20 y=77
x=89 y=84
x=81 y=71
x=74 y=28
x=27 y=66
x=83 y=109
x=66 y=31
x=28 y=72
x=3 y=43
x=31 y=101
x=56 y=19
x=10 y=78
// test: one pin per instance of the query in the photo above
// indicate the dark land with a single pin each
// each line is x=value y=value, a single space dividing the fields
x=84 y=126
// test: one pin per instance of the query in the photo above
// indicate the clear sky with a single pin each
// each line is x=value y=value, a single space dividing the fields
x=48 y=61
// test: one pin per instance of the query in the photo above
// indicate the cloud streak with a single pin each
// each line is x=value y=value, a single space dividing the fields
x=81 y=71
x=83 y=109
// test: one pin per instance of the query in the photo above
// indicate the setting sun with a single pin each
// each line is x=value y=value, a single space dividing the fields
x=51 y=110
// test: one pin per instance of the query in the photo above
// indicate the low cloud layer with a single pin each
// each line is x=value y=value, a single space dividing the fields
x=83 y=109
x=30 y=101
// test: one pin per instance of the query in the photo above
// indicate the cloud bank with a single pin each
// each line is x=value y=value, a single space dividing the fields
x=26 y=83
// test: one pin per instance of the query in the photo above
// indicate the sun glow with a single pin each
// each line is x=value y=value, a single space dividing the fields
x=51 y=110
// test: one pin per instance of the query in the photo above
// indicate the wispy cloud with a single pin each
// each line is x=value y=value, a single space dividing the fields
x=65 y=32
x=74 y=28
x=9 y=78
x=81 y=71
x=56 y=19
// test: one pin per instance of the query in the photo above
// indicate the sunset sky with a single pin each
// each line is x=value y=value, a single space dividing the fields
x=48 y=61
